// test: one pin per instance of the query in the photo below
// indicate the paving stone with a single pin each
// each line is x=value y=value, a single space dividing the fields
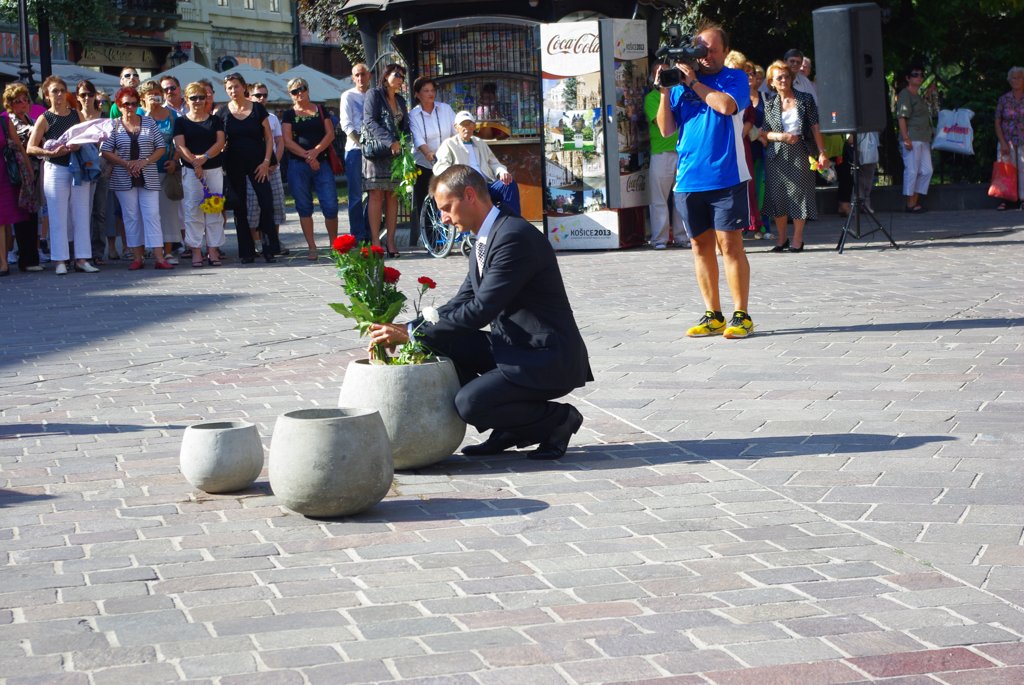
x=930 y=661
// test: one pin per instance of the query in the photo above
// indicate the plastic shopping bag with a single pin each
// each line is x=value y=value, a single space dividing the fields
x=1004 y=181
x=954 y=132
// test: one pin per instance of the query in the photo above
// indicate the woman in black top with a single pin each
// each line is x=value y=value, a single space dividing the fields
x=250 y=151
x=384 y=114
x=68 y=205
x=199 y=138
x=308 y=134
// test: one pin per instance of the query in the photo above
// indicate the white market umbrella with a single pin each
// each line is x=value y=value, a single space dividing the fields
x=275 y=84
x=72 y=74
x=188 y=72
x=322 y=87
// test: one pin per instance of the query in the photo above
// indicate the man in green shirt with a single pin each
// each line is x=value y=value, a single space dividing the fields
x=661 y=177
x=129 y=79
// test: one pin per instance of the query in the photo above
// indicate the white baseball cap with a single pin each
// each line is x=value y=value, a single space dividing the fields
x=464 y=116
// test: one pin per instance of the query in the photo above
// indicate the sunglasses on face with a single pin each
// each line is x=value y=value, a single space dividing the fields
x=85 y=95
x=170 y=89
x=128 y=104
x=124 y=76
x=917 y=73
x=197 y=98
x=259 y=96
x=57 y=91
x=300 y=89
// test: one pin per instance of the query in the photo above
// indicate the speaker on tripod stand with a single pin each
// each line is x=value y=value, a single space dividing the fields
x=851 y=88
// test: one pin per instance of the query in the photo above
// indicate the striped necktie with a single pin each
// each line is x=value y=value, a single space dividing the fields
x=480 y=249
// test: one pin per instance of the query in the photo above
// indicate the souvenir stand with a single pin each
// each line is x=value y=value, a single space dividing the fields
x=486 y=57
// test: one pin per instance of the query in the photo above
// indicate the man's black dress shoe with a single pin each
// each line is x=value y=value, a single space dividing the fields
x=496 y=443
x=555 y=446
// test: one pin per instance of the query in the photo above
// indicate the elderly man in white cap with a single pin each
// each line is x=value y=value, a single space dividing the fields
x=465 y=148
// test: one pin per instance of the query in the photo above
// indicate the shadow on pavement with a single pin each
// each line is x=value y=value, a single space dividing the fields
x=10 y=498
x=90 y=319
x=632 y=455
x=37 y=430
x=952 y=324
x=443 y=508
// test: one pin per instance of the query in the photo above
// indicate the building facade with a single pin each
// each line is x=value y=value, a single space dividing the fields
x=223 y=33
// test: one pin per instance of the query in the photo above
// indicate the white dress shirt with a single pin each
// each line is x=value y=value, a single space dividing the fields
x=350 y=115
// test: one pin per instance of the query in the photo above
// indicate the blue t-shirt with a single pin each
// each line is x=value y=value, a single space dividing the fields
x=710 y=145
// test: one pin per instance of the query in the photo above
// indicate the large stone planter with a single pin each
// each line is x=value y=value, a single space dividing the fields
x=417 y=404
x=330 y=462
x=221 y=456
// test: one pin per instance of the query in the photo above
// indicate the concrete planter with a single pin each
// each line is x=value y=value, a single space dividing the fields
x=417 y=404
x=221 y=456
x=330 y=462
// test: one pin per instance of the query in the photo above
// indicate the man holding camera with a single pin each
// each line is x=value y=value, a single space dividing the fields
x=711 y=176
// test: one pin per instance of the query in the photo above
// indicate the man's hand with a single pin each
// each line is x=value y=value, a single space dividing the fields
x=689 y=75
x=505 y=177
x=387 y=334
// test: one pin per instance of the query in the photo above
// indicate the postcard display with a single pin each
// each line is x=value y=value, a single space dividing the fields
x=596 y=139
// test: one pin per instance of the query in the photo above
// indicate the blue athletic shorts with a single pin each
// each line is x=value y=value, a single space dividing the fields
x=726 y=209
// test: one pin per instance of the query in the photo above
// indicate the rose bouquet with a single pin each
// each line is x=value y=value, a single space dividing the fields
x=404 y=169
x=374 y=297
x=213 y=203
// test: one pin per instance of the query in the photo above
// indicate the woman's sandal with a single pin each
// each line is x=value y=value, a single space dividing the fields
x=213 y=262
x=197 y=263
x=1002 y=207
x=312 y=256
x=916 y=209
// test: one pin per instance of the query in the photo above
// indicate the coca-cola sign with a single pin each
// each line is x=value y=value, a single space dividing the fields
x=574 y=45
x=570 y=49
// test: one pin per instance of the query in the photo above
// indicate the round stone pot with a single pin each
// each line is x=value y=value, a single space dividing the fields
x=221 y=456
x=417 y=404
x=330 y=462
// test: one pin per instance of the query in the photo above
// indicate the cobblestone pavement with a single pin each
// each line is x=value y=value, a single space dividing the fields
x=834 y=500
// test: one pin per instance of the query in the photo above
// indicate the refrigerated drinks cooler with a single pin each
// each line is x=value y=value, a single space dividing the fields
x=596 y=143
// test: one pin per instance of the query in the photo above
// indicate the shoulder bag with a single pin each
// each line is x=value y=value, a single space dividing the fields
x=337 y=166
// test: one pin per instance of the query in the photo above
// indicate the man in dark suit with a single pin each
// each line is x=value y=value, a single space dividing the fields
x=533 y=353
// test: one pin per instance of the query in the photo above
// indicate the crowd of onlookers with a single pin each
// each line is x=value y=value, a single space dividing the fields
x=167 y=150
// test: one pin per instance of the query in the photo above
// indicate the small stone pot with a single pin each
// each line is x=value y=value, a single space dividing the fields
x=417 y=404
x=221 y=456
x=330 y=462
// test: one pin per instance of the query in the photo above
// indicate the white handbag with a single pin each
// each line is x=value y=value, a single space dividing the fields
x=954 y=132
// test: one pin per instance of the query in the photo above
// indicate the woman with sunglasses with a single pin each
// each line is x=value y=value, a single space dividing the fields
x=134 y=147
x=308 y=133
x=68 y=205
x=385 y=115
x=258 y=92
x=170 y=218
x=790 y=120
x=102 y=233
x=17 y=128
x=249 y=155
x=915 y=122
x=199 y=138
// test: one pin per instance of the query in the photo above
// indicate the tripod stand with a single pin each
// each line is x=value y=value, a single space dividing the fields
x=852 y=225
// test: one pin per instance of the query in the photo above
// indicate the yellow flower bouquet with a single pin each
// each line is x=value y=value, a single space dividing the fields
x=213 y=203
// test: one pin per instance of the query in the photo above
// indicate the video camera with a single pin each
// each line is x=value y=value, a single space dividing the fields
x=678 y=49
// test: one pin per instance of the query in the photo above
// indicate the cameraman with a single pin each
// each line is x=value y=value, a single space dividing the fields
x=712 y=175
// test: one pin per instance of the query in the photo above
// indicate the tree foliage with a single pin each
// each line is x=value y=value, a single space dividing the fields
x=78 y=20
x=321 y=17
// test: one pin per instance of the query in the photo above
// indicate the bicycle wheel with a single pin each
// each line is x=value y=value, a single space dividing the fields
x=467 y=243
x=437 y=236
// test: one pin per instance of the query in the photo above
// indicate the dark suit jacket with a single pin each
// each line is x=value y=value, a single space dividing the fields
x=534 y=336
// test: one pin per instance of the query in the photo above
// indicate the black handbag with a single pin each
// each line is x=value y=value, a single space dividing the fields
x=372 y=148
x=11 y=161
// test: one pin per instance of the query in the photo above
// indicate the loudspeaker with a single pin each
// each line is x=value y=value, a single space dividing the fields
x=848 y=59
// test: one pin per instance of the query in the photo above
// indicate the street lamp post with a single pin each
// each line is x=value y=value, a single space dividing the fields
x=25 y=67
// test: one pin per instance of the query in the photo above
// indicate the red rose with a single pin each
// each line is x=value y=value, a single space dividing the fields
x=427 y=281
x=377 y=250
x=344 y=243
x=364 y=252
x=391 y=275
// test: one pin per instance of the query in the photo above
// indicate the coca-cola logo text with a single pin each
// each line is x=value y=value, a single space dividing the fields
x=636 y=184
x=585 y=43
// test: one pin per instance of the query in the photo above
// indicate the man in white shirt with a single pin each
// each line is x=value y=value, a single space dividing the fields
x=795 y=61
x=465 y=148
x=350 y=113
